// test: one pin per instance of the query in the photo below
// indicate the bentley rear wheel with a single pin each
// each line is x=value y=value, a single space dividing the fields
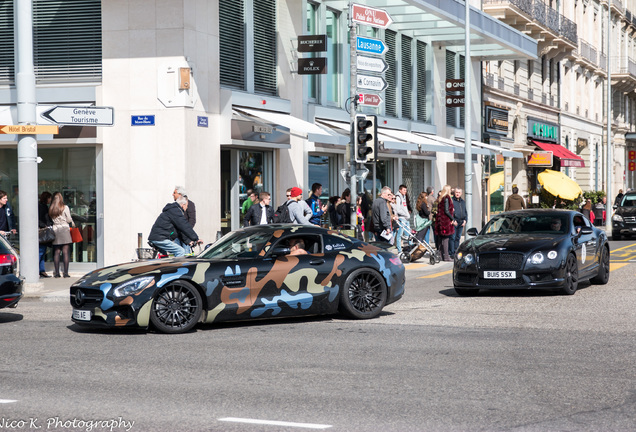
x=176 y=308
x=571 y=276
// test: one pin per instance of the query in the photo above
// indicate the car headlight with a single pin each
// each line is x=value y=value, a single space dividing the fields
x=552 y=254
x=617 y=218
x=132 y=286
x=468 y=258
x=537 y=258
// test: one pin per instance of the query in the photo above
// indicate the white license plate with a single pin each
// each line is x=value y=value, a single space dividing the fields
x=81 y=315
x=633 y=229
x=500 y=274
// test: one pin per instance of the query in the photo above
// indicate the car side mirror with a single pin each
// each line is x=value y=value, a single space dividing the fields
x=614 y=206
x=279 y=251
x=586 y=230
x=472 y=232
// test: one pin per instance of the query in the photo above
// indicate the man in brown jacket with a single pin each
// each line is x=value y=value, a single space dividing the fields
x=515 y=201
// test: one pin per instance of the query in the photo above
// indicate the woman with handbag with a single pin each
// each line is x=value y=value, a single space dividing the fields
x=62 y=221
x=444 y=227
x=45 y=223
x=422 y=217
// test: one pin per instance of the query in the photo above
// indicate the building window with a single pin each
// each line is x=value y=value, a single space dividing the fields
x=67 y=41
x=333 y=56
x=390 y=94
x=383 y=177
x=253 y=69
x=454 y=70
x=422 y=113
x=320 y=170
x=407 y=78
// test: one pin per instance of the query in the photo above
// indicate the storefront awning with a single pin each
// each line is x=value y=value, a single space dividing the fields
x=568 y=159
x=296 y=126
x=494 y=149
x=458 y=147
x=442 y=22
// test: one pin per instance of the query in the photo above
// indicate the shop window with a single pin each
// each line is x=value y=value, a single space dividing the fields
x=70 y=171
x=383 y=177
x=320 y=171
x=414 y=177
x=334 y=70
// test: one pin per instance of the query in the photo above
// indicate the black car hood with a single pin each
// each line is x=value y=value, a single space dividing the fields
x=626 y=211
x=512 y=242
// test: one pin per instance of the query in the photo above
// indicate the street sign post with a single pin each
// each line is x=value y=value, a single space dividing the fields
x=369 y=99
x=371 y=82
x=370 y=16
x=80 y=115
x=370 y=45
x=371 y=64
x=29 y=129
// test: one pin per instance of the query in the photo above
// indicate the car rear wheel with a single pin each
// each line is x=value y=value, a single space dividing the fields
x=464 y=292
x=571 y=276
x=176 y=308
x=364 y=294
x=603 y=269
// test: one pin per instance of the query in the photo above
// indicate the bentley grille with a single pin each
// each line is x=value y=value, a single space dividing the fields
x=500 y=261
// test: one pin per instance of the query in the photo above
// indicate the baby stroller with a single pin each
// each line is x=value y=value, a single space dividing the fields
x=414 y=248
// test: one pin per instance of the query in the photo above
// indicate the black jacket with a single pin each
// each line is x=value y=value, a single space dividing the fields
x=460 y=210
x=254 y=215
x=191 y=214
x=172 y=224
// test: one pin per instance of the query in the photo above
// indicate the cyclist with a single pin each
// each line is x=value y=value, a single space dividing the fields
x=172 y=225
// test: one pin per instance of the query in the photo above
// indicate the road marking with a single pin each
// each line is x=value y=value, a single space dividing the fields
x=616 y=266
x=434 y=275
x=6 y=401
x=275 y=423
x=413 y=266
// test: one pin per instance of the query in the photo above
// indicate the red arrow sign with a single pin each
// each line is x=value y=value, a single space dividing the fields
x=370 y=99
x=371 y=16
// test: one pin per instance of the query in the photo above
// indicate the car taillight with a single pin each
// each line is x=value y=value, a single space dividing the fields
x=8 y=259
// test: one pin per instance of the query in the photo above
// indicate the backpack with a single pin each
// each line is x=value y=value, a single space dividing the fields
x=281 y=215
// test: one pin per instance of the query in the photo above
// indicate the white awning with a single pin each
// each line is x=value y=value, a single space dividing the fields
x=458 y=147
x=494 y=149
x=296 y=126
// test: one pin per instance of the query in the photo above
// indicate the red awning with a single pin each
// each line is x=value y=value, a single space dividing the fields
x=568 y=159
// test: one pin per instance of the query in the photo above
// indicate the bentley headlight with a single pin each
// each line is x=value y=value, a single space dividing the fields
x=617 y=218
x=133 y=286
x=537 y=258
x=468 y=258
x=552 y=254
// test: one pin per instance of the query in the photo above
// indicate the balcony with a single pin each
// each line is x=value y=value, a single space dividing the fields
x=623 y=74
x=556 y=35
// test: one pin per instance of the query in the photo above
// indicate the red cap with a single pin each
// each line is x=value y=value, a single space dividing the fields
x=295 y=191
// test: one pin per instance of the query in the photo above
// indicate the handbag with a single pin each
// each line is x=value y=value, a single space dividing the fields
x=46 y=235
x=421 y=223
x=76 y=235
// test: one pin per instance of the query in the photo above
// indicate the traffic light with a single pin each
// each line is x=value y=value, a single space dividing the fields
x=365 y=138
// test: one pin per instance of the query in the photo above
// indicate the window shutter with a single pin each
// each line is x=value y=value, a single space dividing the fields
x=462 y=75
x=265 y=47
x=451 y=113
x=6 y=43
x=407 y=78
x=421 y=81
x=232 y=44
x=67 y=39
x=390 y=94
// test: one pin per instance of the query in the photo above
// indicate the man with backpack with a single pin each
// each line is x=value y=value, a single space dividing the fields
x=292 y=211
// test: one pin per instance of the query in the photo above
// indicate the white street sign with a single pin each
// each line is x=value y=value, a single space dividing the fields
x=371 y=82
x=371 y=64
x=80 y=115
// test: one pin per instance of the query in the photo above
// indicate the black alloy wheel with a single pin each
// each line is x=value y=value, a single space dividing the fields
x=603 y=268
x=363 y=295
x=176 y=308
x=571 y=275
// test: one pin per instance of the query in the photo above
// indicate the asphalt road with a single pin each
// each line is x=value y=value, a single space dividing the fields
x=500 y=361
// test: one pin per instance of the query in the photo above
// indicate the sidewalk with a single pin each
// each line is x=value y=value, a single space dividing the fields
x=57 y=289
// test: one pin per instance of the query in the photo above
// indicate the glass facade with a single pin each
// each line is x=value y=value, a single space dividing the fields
x=334 y=43
x=319 y=171
x=70 y=171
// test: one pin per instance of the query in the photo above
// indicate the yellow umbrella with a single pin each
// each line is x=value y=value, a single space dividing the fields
x=496 y=181
x=559 y=185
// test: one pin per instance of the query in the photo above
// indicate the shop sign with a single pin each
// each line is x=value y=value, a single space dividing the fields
x=312 y=43
x=543 y=131
x=312 y=66
x=499 y=160
x=142 y=120
x=540 y=159
x=581 y=144
x=455 y=101
x=496 y=120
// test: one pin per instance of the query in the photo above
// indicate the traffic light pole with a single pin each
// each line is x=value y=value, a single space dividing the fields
x=350 y=157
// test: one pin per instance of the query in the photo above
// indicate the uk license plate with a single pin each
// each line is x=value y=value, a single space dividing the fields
x=500 y=274
x=81 y=315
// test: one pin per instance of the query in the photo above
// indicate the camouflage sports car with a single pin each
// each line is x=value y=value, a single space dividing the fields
x=247 y=274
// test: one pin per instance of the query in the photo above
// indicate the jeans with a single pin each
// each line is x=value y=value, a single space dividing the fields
x=42 y=249
x=455 y=239
x=186 y=247
x=401 y=231
x=169 y=246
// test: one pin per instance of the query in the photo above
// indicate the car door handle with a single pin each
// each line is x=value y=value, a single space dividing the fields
x=317 y=261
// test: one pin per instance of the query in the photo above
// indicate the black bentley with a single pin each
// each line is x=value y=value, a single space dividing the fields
x=10 y=281
x=537 y=248
x=258 y=272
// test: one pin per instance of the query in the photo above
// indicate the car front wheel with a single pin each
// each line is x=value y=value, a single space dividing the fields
x=571 y=276
x=176 y=308
x=363 y=295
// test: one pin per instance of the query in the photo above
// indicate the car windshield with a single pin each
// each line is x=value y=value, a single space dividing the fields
x=238 y=244
x=527 y=224
x=629 y=201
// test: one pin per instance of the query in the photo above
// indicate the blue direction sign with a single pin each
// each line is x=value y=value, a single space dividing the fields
x=370 y=45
